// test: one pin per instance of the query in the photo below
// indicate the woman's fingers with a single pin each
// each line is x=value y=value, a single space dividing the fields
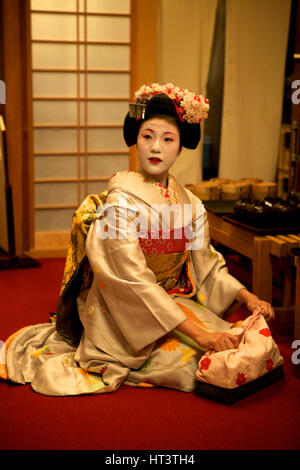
x=266 y=307
x=224 y=341
x=267 y=310
x=235 y=340
x=271 y=313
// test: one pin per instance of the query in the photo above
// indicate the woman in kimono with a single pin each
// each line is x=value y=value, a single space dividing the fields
x=158 y=290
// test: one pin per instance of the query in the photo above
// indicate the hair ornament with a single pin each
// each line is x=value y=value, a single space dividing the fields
x=190 y=107
x=137 y=110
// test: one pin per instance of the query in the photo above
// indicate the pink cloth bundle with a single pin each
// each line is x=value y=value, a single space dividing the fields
x=256 y=355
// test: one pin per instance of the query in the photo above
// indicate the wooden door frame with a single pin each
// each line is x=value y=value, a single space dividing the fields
x=17 y=112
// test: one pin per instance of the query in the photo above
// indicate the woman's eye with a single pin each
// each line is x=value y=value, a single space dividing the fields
x=147 y=136
x=168 y=139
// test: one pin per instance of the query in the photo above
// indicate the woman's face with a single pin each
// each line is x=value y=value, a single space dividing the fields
x=158 y=146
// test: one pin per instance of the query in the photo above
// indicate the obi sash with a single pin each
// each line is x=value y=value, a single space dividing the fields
x=167 y=257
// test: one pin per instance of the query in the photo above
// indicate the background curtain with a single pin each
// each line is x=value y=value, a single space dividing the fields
x=255 y=54
x=215 y=87
x=256 y=35
x=185 y=35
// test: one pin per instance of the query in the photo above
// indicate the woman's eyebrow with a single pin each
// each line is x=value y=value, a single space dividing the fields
x=148 y=129
x=170 y=132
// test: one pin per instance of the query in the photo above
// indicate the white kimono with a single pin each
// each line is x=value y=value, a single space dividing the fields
x=151 y=270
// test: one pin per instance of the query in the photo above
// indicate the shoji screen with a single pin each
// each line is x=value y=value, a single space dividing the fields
x=81 y=87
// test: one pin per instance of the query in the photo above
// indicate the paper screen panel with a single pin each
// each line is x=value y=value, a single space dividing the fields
x=96 y=187
x=108 y=84
x=62 y=193
x=61 y=56
x=55 y=112
x=53 y=220
x=99 y=166
x=101 y=6
x=93 y=187
x=108 y=28
x=54 y=84
x=80 y=98
x=109 y=6
x=111 y=57
x=53 y=26
x=106 y=139
x=55 y=140
x=65 y=140
x=65 y=5
x=65 y=112
x=64 y=56
x=64 y=84
x=103 y=112
x=56 y=166
x=106 y=165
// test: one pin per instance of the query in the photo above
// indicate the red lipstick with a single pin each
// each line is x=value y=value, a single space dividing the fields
x=155 y=160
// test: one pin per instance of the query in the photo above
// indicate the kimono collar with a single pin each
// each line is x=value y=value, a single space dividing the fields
x=147 y=189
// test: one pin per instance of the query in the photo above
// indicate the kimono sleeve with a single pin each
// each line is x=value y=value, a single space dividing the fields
x=216 y=288
x=140 y=309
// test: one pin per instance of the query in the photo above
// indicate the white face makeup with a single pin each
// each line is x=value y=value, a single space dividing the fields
x=158 y=146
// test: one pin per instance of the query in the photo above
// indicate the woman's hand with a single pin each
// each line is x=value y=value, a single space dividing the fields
x=266 y=308
x=217 y=341
x=252 y=302
x=220 y=341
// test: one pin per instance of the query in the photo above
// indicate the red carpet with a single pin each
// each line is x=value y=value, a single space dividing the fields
x=132 y=418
